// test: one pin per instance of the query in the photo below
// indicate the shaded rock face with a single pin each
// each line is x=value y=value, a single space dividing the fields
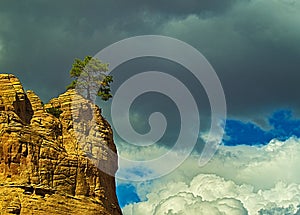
x=63 y=164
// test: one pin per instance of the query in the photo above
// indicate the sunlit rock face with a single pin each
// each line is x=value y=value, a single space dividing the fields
x=54 y=163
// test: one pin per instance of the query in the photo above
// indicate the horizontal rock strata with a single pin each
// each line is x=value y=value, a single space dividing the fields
x=57 y=158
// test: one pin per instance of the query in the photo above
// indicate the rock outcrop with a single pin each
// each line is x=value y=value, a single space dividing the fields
x=57 y=158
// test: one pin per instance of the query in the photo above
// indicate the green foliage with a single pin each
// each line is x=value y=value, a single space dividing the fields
x=72 y=85
x=90 y=78
x=54 y=111
x=104 y=91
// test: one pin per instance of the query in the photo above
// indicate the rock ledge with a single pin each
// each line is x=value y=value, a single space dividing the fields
x=63 y=164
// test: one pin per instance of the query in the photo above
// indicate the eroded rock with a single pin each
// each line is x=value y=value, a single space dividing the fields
x=56 y=164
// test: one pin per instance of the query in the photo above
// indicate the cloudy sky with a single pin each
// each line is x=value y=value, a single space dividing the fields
x=253 y=46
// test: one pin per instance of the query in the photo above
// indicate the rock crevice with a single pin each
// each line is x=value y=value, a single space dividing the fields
x=59 y=163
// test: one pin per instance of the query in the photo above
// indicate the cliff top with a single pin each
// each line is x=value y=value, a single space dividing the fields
x=57 y=158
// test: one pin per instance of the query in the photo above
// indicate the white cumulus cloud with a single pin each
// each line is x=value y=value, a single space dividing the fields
x=238 y=180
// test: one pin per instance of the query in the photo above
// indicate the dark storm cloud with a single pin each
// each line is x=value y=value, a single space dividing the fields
x=253 y=45
x=40 y=40
x=181 y=8
x=255 y=49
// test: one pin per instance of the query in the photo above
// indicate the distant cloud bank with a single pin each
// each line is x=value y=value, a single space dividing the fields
x=239 y=180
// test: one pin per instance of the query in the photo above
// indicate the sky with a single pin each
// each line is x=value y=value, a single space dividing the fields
x=254 y=48
x=252 y=45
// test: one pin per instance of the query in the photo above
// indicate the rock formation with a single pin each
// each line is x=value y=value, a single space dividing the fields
x=57 y=158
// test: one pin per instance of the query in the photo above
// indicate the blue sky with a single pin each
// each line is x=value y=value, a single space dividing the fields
x=254 y=48
x=127 y=194
x=282 y=125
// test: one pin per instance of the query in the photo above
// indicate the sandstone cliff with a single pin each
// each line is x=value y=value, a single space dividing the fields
x=61 y=163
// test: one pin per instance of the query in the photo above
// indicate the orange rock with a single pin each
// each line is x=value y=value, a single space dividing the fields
x=63 y=164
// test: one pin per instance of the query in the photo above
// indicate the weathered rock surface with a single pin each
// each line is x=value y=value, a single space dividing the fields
x=63 y=164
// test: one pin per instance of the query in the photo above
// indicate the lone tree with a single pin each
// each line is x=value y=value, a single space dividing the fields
x=90 y=78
